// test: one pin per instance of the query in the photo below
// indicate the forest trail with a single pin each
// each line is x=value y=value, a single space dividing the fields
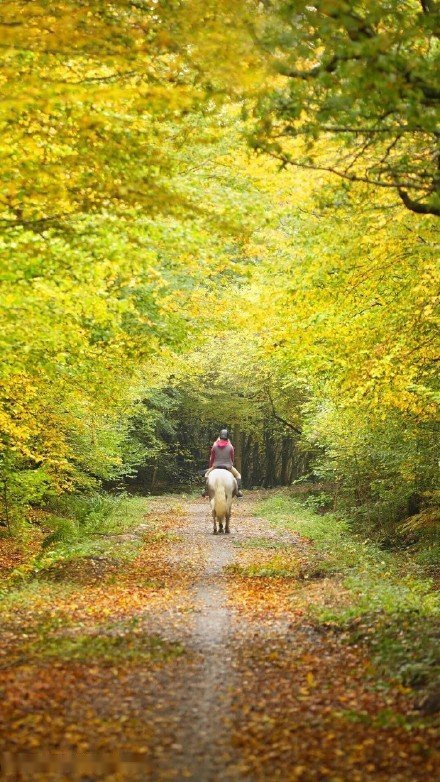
x=193 y=661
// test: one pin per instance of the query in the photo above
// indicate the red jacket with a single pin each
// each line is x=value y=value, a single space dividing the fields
x=216 y=451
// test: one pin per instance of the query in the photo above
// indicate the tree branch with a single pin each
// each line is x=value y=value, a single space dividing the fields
x=279 y=417
x=416 y=206
x=429 y=6
x=41 y=221
x=99 y=79
x=329 y=67
x=287 y=161
x=398 y=129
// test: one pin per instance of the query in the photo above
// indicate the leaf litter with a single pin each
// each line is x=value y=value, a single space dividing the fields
x=197 y=659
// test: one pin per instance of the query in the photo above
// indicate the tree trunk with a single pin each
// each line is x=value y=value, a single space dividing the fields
x=237 y=443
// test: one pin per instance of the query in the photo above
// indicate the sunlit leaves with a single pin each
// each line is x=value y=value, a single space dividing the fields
x=364 y=76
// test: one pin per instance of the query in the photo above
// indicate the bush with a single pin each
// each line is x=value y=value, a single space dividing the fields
x=383 y=471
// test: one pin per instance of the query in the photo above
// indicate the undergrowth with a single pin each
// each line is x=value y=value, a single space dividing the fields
x=86 y=527
x=393 y=604
x=108 y=644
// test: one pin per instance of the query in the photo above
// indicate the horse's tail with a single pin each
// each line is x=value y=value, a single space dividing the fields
x=220 y=504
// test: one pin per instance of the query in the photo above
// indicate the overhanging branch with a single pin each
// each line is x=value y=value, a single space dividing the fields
x=416 y=206
x=278 y=417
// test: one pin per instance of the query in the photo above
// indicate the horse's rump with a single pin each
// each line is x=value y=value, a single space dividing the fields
x=219 y=503
x=221 y=487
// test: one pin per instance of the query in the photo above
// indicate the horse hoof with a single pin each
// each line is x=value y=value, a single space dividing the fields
x=214 y=532
x=227 y=531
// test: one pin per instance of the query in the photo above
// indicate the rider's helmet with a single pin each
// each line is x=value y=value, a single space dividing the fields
x=224 y=434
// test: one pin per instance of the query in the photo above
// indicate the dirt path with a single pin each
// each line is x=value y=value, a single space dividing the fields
x=205 y=698
x=202 y=746
x=212 y=675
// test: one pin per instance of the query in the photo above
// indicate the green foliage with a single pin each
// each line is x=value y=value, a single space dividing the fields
x=384 y=470
x=65 y=531
x=159 y=280
x=399 y=645
x=19 y=489
x=109 y=644
x=99 y=512
x=327 y=531
x=428 y=556
x=83 y=528
x=363 y=75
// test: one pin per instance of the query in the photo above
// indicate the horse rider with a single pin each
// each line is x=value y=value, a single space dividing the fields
x=222 y=455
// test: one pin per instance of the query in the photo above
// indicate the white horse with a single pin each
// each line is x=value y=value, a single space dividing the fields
x=222 y=487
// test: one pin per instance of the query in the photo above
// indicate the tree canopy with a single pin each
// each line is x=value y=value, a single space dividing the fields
x=359 y=86
x=178 y=254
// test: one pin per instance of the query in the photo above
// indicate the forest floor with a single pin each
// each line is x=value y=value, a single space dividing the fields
x=182 y=655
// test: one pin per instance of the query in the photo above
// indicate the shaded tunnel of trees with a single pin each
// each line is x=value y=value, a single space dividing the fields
x=178 y=446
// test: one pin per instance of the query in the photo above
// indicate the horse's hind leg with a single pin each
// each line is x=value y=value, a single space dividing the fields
x=214 y=518
x=220 y=526
x=228 y=518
